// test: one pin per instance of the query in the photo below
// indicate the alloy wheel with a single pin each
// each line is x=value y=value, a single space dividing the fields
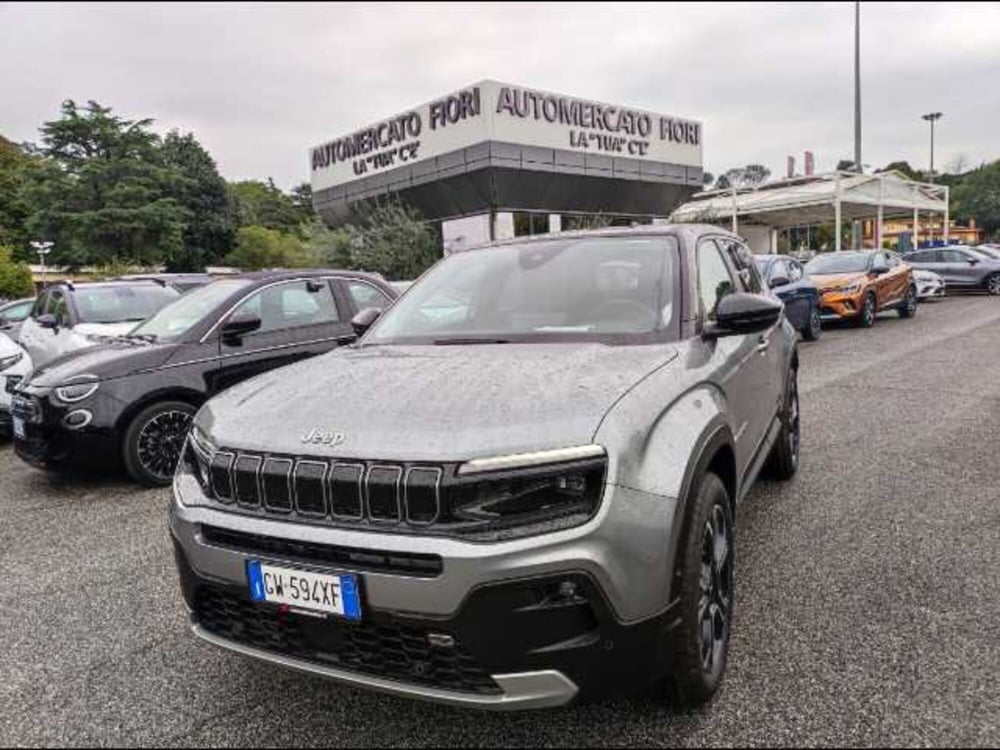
x=715 y=588
x=868 y=315
x=993 y=285
x=815 y=324
x=160 y=442
x=794 y=430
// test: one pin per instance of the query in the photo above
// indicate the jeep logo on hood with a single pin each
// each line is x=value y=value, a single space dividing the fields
x=323 y=437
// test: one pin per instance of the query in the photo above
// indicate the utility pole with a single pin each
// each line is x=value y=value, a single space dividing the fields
x=932 y=117
x=856 y=225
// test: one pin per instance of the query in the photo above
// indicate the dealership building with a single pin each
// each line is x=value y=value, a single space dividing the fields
x=494 y=161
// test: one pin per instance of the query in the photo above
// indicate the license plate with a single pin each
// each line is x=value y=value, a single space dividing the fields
x=19 y=428
x=317 y=592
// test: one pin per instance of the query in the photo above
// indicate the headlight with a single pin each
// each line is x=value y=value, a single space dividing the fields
x=10 y=361
x=849 y=288
x=196 y=458
x=504 y=503
x=84 y=387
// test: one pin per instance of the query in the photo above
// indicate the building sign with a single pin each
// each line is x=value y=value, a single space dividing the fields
x=492 y=111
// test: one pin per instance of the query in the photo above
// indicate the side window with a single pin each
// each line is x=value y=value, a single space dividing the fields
x=58 y=307
x=794 y=271
x=365 y=295
x=893 y=259
x=291 y=305
x=742 y=260
x=714 y=278
x=952 y=256
x=779 y=269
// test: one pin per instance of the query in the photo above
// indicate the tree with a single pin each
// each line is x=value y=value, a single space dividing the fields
x=302 y=199
x=392 y=239
x=977 y=197
x=103 y=191
x=263 y=204
x=262 y=247
x=16 y=170
x=330 y=247
x=707 y=178
x=15 y=278
x=904 y=168
x=751 y=175
x=197 y=187
x=845 y=165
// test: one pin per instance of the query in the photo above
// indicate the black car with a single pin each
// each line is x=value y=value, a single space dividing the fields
x=789 y=282
x=129 y=400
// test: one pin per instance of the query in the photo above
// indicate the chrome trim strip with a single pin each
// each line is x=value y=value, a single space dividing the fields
x=256 y=480
x=288 y=482
x=211 y=475
x=437 y=494
x=361 y=493
x=367 y=500
x=322 y=483
x=542 y=689
x=536 y=458
x=249 y=353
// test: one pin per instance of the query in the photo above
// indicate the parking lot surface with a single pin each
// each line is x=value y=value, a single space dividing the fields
x=868 y=590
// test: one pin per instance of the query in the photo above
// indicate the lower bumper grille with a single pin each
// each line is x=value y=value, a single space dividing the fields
x=388 y=651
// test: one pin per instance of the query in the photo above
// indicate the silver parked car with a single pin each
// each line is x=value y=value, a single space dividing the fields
x=529 y=498
x=961 y=267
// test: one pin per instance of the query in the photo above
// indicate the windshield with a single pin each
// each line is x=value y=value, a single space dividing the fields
x=121 y=304
x=762 y=264
x=837 y=263
x=592 y=287
x=989 y=252
x=176 y=319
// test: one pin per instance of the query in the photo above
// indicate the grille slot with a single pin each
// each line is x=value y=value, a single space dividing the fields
x=383 y=490
x=351 y=558
x=393 y=651
x=310 y=488
x=246 y=480
x=222 y=484
x=276 y=479
x=345 y=487
x=422 y=495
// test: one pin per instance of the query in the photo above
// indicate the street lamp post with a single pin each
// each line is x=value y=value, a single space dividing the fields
x=856 y=225
x=932 y=117
x=43 y=249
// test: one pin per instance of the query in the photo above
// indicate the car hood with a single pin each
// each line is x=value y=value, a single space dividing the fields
x=824 y=281
x=110 y=359
x=432 y=403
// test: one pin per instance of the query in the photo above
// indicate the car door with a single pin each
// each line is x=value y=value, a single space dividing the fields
x=952 y=265
x=899 y=276
x=882 y=283
x=968 y=267
x=737 y=358
x=299 y=318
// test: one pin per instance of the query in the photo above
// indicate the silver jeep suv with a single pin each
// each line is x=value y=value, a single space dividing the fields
x=518 y=487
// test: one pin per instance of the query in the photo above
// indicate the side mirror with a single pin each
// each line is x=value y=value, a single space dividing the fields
x=880 y=270
x=365 y=320
x=742 y=313
x=48 y=321
x=240 y=325
x=973 y=261
x=777 y=281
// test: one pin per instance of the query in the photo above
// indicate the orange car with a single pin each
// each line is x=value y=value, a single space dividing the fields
x=857 y=285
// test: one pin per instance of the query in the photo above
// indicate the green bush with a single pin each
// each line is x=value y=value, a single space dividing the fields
x=15 y=278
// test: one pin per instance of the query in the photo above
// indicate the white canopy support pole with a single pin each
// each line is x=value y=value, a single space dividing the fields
x=878 y=222
x=947 y=215
x=836 y=213
x=916 y=228
x=736 y=223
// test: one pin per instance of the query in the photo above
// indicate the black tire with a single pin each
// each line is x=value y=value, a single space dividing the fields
x=908 y=307
x=153 y=442
x=992 y=284
x=706 y=592
x=814 y=328
x=866 y=318
x=783 y=463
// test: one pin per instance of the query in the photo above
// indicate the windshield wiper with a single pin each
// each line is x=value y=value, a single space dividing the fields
x=467 y=341
x=148 y=337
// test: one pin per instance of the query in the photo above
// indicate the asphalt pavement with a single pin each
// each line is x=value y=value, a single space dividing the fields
x=868 y=590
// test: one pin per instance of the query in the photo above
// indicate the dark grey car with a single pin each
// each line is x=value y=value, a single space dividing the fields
x=520 y=486
x=961 y=267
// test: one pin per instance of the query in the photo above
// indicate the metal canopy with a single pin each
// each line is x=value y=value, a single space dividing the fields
x=819 y=199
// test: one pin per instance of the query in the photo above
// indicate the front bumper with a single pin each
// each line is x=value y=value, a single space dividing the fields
x=839 y=306
x=49 y=443
x=517 y=645
x=931 y=289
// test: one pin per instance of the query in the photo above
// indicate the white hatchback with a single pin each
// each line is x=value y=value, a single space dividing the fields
x=15 y=365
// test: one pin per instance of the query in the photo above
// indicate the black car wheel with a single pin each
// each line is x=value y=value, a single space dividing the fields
x=909 y=307
x=993 y=284
x=783 y=463
x=154 y=440
x=701 y=641
x=814 y=328
x=866 y=319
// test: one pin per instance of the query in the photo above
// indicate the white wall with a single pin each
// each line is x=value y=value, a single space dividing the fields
x=760 y=239
x=469 y=230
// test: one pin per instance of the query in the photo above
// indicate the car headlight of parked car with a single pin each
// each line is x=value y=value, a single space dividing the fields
x=13 y=359
x=82 y=387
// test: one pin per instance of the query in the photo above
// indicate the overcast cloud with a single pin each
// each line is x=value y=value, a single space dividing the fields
x=260 y=84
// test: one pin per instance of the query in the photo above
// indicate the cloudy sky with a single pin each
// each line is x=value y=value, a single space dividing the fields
x=258 y=84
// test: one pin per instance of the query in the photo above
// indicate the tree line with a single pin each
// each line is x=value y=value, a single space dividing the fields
x=108 y=191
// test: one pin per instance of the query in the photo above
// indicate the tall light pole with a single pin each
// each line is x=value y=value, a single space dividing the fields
x=932 y=117
x=43 y=249
x=856 y=225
